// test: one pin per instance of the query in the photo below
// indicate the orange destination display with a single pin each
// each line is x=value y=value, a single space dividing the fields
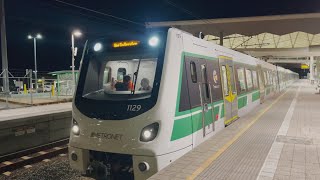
x=125 y=44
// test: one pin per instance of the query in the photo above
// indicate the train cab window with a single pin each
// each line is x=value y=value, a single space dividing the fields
x=249 y=79
x=121 y=73
x=123 y=78
x=107 y=75
x=255 y=79
x=241 y=79
x=193 y=71
x=225 y=80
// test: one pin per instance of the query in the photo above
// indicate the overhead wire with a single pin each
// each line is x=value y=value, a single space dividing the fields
x=206 y=21
x=100 y=13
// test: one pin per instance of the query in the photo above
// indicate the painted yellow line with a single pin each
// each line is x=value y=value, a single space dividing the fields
x=213 y=157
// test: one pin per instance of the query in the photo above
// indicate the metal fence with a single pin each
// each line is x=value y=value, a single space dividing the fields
x=23 y=92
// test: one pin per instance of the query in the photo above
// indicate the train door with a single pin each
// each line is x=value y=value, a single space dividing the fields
x=206 y=100
x=261 y=83
x=228 y=88
x=200 y=96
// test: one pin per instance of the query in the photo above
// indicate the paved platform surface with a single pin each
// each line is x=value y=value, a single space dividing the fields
x=34 y=111
x=280 y=139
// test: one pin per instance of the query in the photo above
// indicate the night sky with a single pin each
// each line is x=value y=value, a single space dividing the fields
x=55 y=21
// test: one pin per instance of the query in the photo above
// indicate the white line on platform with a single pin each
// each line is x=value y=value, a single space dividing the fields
x=270 y=165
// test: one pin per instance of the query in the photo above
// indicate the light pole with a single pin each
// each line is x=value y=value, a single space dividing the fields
x=75 y=33
x=38 y=36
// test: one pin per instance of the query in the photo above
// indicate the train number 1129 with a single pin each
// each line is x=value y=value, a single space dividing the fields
x=134 y=108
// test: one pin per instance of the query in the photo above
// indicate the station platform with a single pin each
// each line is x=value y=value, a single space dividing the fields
x=280 y=139
x=29 y=127
x=10 y=114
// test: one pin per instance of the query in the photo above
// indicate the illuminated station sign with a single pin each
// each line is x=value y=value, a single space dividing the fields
x=125 y=44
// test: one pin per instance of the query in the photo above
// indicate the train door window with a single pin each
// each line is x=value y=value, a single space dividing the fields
x=232 y=79
x=265 y=78
x=193 y=72
x=241 y=79
x=107 y=75
x=255 y=79
x=121 y=73
x=204 y=79
x=224 y=80
x=249 y=79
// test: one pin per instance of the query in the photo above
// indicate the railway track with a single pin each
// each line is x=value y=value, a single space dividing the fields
x=13 y=161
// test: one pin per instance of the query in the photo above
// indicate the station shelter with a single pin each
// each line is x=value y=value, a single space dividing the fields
x=64 y=84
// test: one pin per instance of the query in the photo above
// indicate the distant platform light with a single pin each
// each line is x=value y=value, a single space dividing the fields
x=39 y=36
x=30 y=37
x=153 y=41
x=97 y=47
x=77 y=33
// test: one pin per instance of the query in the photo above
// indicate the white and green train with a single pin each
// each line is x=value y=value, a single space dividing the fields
x=142 y=103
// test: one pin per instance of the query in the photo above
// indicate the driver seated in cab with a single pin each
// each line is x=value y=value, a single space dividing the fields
x=126 y=85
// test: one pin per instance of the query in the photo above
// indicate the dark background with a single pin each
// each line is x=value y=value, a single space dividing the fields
x=56 y=20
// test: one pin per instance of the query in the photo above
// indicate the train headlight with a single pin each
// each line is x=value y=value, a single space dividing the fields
x=97 y=47
x=154 y=41
x=149 y=132
x=75 y=128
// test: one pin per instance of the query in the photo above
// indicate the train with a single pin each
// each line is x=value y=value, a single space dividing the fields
x=141 y=102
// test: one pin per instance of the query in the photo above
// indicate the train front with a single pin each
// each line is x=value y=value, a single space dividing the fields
x=114 y=127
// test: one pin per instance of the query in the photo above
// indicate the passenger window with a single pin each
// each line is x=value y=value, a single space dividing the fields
x=107 y=75
x=193 y=70
x=205 y=85
x=265 y=78
x=224 y=80
x=249 y=78
x=270 y=78
x=241 y=79
x=121 y=73
x=255 y=79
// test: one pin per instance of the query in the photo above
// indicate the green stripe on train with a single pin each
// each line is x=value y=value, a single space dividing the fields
x=255 y=96
x=242 y=102
x=187 y=125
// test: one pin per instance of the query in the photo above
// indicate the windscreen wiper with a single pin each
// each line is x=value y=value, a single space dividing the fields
x=135 y=78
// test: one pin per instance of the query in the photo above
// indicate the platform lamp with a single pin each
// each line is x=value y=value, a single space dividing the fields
x=75 y=33
x=35 y=37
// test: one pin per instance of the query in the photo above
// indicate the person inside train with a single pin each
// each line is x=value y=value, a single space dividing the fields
x=126 y=85
x=145 y=85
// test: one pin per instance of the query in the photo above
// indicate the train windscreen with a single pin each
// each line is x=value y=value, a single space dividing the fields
x=115 y=78
x=120 y=79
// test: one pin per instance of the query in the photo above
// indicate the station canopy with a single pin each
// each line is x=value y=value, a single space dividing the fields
x=260 y=32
